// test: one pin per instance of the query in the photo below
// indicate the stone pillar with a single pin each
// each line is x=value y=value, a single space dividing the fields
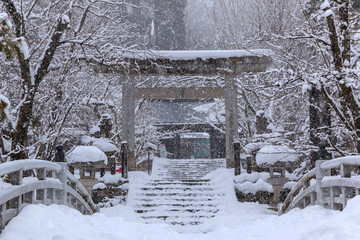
x=128 y=118
x=237 y=149
x=231 y=118
x=124 y=159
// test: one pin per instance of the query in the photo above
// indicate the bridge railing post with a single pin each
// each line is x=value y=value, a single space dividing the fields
x=320 y=174
x=41 y=174
x=124 y=159
x=62 y=176
x=16 y=178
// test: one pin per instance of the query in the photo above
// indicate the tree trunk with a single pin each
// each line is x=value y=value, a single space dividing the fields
x=20 y=136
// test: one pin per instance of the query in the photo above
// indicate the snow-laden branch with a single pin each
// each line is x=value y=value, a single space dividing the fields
x=53 y=43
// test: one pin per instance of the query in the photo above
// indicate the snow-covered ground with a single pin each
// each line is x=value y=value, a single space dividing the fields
x=237 y=221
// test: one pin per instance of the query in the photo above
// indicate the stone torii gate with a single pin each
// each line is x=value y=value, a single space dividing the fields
x=228 y=63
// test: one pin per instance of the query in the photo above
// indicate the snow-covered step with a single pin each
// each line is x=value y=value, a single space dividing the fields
x=170 y=192
x=177 y=203
x=177 y=210
x=185 y=168
x=178 y=194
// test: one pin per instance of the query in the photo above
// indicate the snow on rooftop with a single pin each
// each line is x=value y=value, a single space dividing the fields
x=198 y=135
x=271 y=154
x=200 y=54
x=86 y=154
x=215 y=111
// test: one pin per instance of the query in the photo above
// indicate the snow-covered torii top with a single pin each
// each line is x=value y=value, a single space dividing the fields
x=189 y=62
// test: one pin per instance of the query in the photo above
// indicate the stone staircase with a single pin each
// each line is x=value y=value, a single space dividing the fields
x=178 y=194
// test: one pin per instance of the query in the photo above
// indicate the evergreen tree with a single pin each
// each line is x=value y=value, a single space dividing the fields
x=169 y=24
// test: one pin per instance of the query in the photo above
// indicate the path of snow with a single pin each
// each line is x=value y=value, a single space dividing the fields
x=238 y=221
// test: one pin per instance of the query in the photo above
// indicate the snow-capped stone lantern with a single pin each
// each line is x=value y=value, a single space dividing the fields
x=106 y=146
x=277 y=156
x=277 y=159
x=89 y=160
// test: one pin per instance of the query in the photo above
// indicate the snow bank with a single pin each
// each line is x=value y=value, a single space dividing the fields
x=86 y=154
x=259 y=185
x=251 y=177
x=99 y=186
x=271 y=154
x=112 y=179
x=252 y=182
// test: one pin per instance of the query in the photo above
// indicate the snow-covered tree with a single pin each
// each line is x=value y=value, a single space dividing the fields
x=332 y=27
x=48 y=77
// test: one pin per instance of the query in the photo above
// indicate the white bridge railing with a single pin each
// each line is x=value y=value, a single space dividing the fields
x=52 y=184
x=331 y=184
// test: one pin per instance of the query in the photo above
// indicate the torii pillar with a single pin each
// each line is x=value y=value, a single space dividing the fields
x=128 y=118
x=231 y=118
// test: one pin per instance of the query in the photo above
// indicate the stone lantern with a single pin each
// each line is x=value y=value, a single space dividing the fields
x=277 y=179
x=105 y=145
x=277 y=159
x=89 y=160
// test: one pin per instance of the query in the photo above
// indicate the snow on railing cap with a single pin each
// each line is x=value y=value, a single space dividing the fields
x=336 y=162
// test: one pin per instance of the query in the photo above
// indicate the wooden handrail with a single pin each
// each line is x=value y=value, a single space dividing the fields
x=325 y=181
x=13 y=166
x=61 y=188
x=297 y=188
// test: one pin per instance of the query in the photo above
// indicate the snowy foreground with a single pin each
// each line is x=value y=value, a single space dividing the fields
x=238 y=221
